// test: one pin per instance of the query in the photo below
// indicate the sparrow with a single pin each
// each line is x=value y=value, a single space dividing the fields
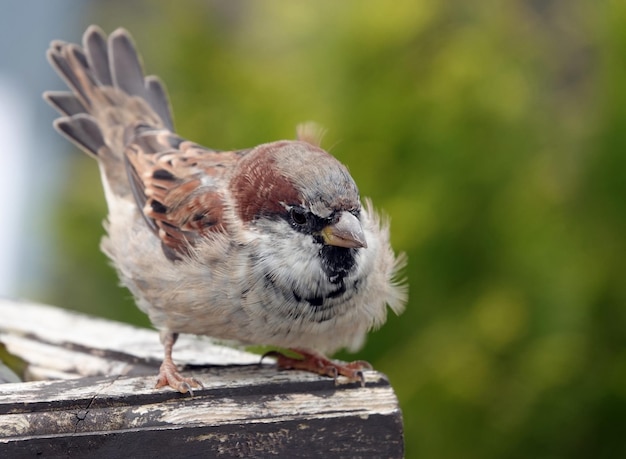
x=269 y=245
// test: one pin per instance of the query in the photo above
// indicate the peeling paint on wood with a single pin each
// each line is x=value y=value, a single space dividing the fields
x=105 y=404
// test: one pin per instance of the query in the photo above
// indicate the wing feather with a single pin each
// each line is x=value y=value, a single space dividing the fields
x=178 y=186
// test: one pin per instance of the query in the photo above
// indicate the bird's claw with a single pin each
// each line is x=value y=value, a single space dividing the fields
x=170 y=376
x=317 y=363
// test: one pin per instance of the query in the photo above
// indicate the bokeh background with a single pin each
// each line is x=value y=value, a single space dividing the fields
x=492 y=133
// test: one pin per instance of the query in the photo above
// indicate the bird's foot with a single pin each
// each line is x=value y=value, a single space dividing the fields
x=317 y=363
x=170 y=376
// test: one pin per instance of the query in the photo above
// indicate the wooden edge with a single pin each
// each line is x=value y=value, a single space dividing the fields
x=70 y=330
x=244 y=411
x=106 y=404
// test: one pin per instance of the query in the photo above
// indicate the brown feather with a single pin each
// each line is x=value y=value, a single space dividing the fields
x=259 y=187
x=176 y=184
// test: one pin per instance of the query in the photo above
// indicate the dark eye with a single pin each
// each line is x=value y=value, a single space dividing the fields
x=298 y=216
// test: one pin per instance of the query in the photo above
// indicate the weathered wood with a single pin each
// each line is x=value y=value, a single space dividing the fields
x=105 y=405
x=61 y=344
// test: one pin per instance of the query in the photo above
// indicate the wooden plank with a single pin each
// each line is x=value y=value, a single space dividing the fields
x=245 y=409
x=58 y=334
x=242 y=411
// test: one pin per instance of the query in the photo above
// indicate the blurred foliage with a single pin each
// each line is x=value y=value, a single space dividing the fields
x=492 y=133
x=12 y=367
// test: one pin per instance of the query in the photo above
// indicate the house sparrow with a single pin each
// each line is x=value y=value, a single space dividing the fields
x=268 y=245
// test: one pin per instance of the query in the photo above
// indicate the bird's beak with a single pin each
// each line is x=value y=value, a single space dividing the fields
x=346 y=232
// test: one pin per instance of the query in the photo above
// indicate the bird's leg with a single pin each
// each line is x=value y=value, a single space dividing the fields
x=317 y=363
x=169 y=374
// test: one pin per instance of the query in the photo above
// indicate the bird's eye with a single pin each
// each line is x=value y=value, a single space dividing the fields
x=298 y=216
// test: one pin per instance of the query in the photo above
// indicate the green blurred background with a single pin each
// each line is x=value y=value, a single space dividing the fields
x=492 y=133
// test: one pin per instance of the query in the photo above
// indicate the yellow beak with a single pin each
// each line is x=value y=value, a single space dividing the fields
x=347 y=232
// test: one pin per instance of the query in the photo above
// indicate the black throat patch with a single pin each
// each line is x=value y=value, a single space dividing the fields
x=337 y=262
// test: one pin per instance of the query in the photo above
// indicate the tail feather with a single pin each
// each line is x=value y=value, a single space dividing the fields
x=126 y=69
x=65 y=102
x=157 y=97
x=109 y=92
x=64 y=62
x=95 y=42
x=83 y=130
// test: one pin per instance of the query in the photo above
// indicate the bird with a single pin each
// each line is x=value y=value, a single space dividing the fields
x=270 y=245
